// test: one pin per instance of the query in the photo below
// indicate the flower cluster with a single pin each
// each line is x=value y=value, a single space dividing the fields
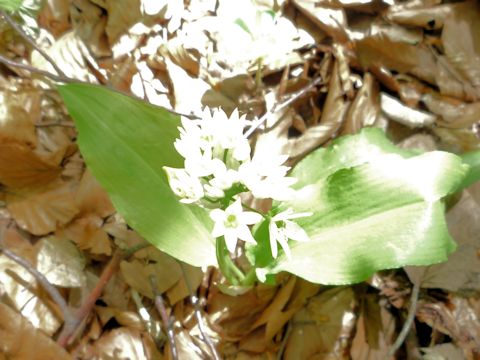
x=218 y=168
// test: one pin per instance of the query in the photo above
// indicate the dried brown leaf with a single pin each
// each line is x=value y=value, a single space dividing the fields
x=88 y=234
x=19 y=112
x=375 y=331
x=457 y=319
x=190 y=281
x=317 y=327
x=21 y=288
x=22 y=168
x=92 y=198
x=124 y=343
x=453 y=113
x=333 y=116
x=461 y=42
x=61 y=262
x=429 y=18
x=165 y=269
x=394 y=109
x=21 y=341
x=331 y=21
x=365 y=109
x=42 y=211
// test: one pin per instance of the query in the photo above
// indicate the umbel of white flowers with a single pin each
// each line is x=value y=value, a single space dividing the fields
x=218 y=167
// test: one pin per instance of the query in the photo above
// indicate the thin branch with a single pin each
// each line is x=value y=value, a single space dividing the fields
x=32 y=42
x=34 y=70
x=295 y=96
x=68 y=332
x=408 y=321
x=68 y=316
x=160 y=305
x=281 y=350
x=198 y=315
x=67 y=80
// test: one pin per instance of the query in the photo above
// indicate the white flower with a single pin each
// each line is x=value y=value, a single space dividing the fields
x=223 y=179
x=232 y=224
x=185 y=186
x=265 y=177
x=285 y=230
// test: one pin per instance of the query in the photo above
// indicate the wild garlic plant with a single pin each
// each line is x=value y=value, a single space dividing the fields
x=219 y=172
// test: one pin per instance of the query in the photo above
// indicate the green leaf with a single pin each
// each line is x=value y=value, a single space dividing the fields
x=10 y=5
x=125 y=143
x=375 y=207
x=473 y=160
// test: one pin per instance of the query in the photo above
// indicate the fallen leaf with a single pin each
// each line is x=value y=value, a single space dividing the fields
x=88 y=234
x=92 y=198
x=365 y=109
x=452 y=113
x=42 y=211
x=22 y=168
x=461 y=41
x=190 y=282
x=317 y=327
x=124 y=343
x=375 y=332
x=21 y=287
x=332 y=21
x=19 y=112
x=442 y=352
x=20 y=340
x=333 y=116
x=61 y=262
x=405 y=115
x=165 y=269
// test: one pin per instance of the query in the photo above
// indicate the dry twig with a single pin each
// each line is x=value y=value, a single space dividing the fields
x=32 y=42
x=408 y=321
x=198 y=315
x=68 y=316
x=295 y=96
x=160 y=306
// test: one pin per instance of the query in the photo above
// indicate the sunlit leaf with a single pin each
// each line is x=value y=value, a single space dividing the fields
x=126 y=143
x=10 y=5
x=20 y=339
x=372 y=209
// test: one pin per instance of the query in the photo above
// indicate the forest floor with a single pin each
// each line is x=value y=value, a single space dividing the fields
x=411 y=68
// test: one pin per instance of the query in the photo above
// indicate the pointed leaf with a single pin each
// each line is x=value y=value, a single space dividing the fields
x=125 y=143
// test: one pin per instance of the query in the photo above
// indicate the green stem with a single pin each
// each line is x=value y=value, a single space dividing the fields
x=233 y=274
x=250 y=277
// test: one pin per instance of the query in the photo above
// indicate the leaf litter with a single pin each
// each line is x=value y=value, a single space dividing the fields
x=411 y=68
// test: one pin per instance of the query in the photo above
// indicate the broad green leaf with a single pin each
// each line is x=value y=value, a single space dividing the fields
x=473 y=159
x=373 y=209
x=10 y=5
x=125 y=143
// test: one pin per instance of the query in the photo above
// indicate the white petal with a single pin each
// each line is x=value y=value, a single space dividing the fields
x=250 y=217
x=235 y=208
x=244 y=234
x=273 y=233
x=217 y=215
x=282 y=240
x=295 y=232
x=231 y=239
x=218 y=230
